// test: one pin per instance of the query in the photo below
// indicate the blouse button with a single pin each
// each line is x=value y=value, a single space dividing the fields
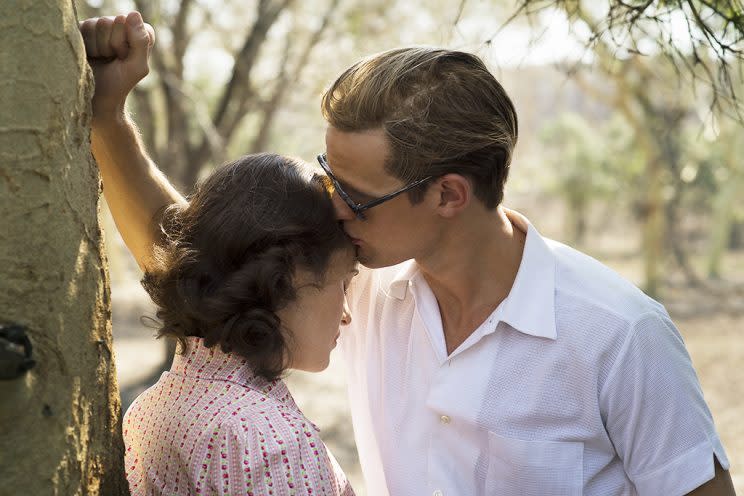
x=445 y=420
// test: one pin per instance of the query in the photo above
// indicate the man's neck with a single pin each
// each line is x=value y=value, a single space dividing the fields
x=472 y=271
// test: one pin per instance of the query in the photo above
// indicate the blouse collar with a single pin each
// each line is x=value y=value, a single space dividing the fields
x=200 y=362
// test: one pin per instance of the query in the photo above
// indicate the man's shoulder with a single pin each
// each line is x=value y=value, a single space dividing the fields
x=597 y=311
x=583 y=282
x=595 y=307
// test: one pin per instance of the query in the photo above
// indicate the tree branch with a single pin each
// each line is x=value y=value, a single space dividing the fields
x=715 y=26
x=232 y=103
x=287 y=79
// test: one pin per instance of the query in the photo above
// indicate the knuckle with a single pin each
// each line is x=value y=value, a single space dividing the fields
x=103 y=24
x=88 y=25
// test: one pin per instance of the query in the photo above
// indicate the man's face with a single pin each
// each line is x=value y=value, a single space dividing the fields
x=391 y=232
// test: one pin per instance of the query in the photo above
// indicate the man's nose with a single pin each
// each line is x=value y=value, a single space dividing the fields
x=343 y=211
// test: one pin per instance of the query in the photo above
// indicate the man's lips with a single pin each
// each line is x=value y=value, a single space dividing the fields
x=354 y=240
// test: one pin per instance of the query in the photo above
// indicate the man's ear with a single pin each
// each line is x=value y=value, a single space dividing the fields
x=454 y=194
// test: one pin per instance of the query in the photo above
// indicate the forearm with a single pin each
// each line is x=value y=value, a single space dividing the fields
x=135 y=190
x=720 y=485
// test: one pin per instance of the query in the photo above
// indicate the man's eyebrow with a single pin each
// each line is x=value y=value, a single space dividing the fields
x=351 y=190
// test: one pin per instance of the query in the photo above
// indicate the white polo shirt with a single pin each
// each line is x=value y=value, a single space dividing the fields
x=578 y=383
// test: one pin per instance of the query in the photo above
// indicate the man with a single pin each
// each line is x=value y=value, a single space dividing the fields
x=482 y=358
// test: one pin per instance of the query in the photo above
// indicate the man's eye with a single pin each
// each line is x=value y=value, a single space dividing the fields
x=361 y=198
x=356 y=196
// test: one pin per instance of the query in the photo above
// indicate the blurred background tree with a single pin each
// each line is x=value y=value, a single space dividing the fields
x=584 y=158
x=190 y=120
x=660 y=60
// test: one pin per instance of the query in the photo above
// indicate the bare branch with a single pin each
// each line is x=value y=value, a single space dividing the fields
x=181 y=37
x=237 y=92
x=460 y=9
x=289 y=78
x=265 y=18
x=713 y=26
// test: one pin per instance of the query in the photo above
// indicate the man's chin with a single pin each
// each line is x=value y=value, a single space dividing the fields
x=366 y=259
x=375 y=261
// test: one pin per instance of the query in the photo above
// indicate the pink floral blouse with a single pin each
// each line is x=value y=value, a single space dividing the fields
x=210 y=426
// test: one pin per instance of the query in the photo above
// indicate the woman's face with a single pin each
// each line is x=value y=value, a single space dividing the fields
x=314 y=317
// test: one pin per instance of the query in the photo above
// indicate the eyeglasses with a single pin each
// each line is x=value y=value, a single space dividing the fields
x=332 y=185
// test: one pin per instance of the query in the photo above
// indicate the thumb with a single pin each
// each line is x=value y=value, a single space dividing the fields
x=140 y=41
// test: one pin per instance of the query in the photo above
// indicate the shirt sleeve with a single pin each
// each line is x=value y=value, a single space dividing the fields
x=243 y=459
x=655 y=412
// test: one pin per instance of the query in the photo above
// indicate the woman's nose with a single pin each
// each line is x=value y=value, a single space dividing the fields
x=346 y=314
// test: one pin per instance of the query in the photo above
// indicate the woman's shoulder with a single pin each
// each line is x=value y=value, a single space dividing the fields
x=236 y=436
x=281 y=446
x=270 y=423
x=207 y=402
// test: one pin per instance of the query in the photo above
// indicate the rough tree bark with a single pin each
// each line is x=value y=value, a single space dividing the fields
x=60 y=422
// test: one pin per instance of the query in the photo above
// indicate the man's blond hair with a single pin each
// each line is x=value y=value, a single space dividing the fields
x=442 y=112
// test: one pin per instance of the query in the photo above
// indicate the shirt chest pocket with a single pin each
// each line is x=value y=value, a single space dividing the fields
x=533 y=468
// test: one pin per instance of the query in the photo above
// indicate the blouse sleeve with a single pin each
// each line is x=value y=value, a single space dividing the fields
x=243 y=458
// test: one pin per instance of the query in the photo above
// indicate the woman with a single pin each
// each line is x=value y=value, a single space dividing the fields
x=250 y=278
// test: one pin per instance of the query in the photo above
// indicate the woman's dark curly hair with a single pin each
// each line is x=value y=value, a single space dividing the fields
x=226 y=262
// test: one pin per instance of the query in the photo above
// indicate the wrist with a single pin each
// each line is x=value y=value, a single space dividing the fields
x=108 y=114
x=110 y=122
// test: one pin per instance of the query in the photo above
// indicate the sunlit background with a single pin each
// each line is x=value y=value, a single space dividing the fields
x=630 y=149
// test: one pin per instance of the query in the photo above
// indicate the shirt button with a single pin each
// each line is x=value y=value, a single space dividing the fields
x=445 y=420
x=438 y=493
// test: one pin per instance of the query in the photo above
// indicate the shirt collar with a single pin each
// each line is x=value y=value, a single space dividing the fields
x=399 y=285
x=530 y=306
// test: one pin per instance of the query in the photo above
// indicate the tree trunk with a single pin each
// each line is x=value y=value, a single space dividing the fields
x=653 y=228
x=721 y=227
x=724 y=205
x=60 y=422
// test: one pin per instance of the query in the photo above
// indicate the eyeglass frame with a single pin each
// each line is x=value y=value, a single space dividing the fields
x=360 y=208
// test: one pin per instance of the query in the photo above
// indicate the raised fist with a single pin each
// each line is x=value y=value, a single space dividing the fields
x=118 y=49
